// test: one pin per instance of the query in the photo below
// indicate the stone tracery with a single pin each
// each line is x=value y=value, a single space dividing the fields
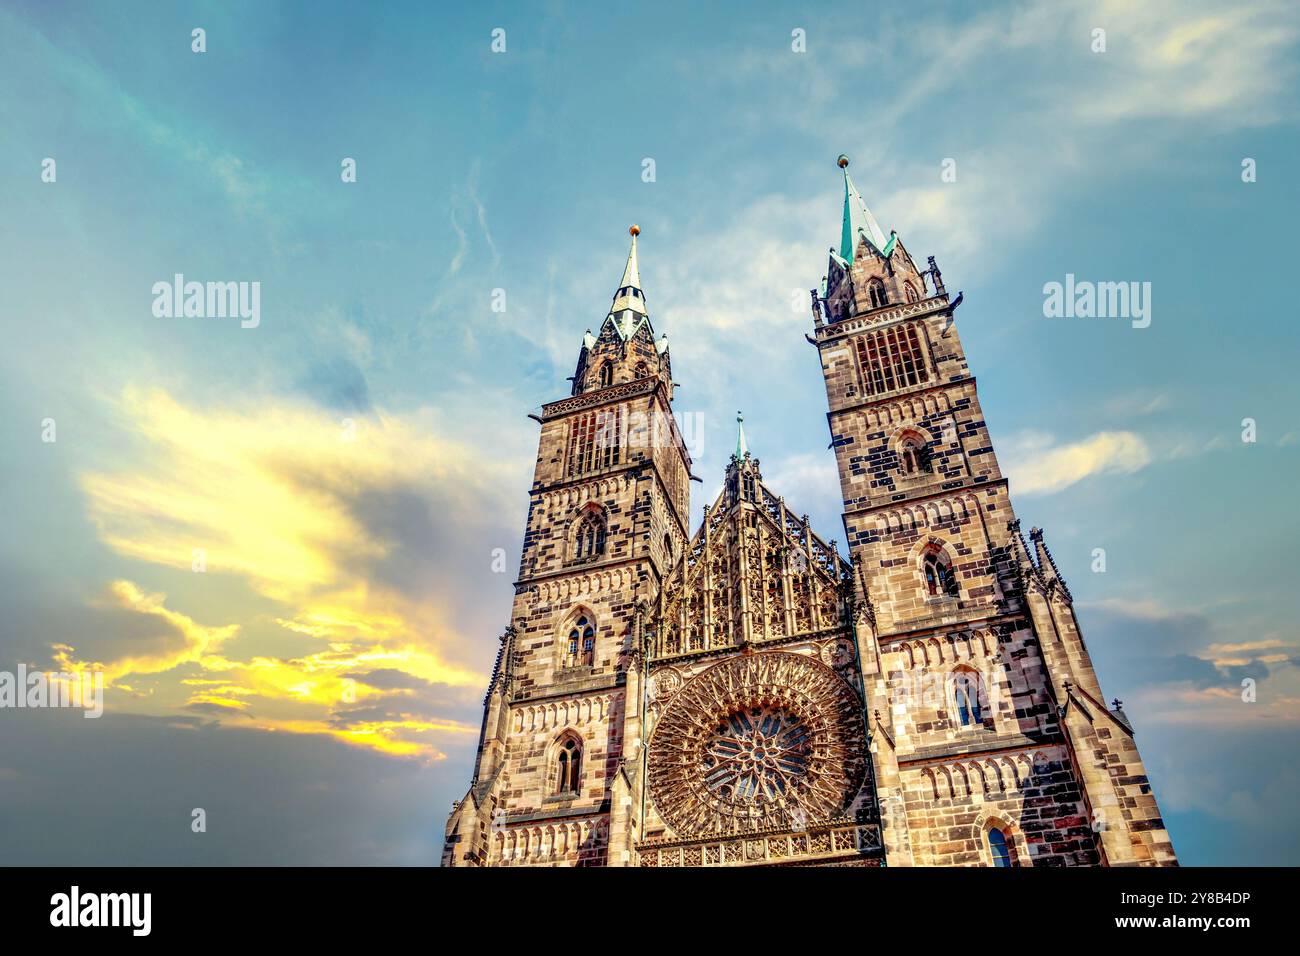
x=757 y=741
x=752 y=572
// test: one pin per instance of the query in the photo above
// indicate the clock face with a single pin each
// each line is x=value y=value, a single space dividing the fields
x=755 y=742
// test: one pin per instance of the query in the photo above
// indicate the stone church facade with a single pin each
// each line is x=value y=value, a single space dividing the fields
x=744 y=694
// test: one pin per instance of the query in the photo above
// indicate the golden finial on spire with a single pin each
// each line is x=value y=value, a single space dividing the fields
x=843 y=161
x=635 y=230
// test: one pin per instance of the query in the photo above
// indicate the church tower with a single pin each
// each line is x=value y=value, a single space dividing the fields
x=607 y=518
x=992 y=742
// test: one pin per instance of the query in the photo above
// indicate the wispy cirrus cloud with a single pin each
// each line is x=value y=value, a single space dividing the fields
x=1166 y=63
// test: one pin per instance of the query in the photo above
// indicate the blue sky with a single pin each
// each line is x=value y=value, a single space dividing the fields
x=370 y=561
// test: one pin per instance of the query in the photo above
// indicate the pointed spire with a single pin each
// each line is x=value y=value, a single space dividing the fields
x=742 y=447
x=629 y=294
x=742 y=475
x=857 y=220
x=1046 y=563
x=1025 y=567
x=632 y=274
x=1040 y=551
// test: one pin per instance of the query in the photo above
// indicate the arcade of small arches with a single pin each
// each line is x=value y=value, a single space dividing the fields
x=949 y=648
x=580 y=586
x=557 y=841
x=987 y=778
x=914 y=412
x=570 y=712
x=929 y=514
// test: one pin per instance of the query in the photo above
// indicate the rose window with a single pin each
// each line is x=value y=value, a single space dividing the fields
x=755 y=742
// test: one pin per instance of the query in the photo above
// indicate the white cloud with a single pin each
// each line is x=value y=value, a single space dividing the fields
x=804 y=480
x=1183 y=60
x=1039 y=466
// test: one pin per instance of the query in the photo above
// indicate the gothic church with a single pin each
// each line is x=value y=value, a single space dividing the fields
x=746 y=695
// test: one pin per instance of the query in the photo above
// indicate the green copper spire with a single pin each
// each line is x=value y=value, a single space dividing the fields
x=857 y=219
x=742 y=447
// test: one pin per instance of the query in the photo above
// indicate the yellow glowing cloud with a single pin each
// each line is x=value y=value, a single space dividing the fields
x=231 y=703
x=198 y=640
x=259 y=496
x=377 y=735
x=267 y=495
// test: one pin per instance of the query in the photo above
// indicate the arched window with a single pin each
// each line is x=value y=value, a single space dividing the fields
x=968 y=699
x=939 y=577
x=914 y=455
x=908 y=456
x=668 y=551
x=589 y=538
x=876 y=290
x=607 y=375
x=568 y=765
x=909 y=291
x=581 y=651
x=998 y=848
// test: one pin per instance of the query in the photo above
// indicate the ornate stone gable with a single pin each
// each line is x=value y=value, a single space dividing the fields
x=752 y=572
